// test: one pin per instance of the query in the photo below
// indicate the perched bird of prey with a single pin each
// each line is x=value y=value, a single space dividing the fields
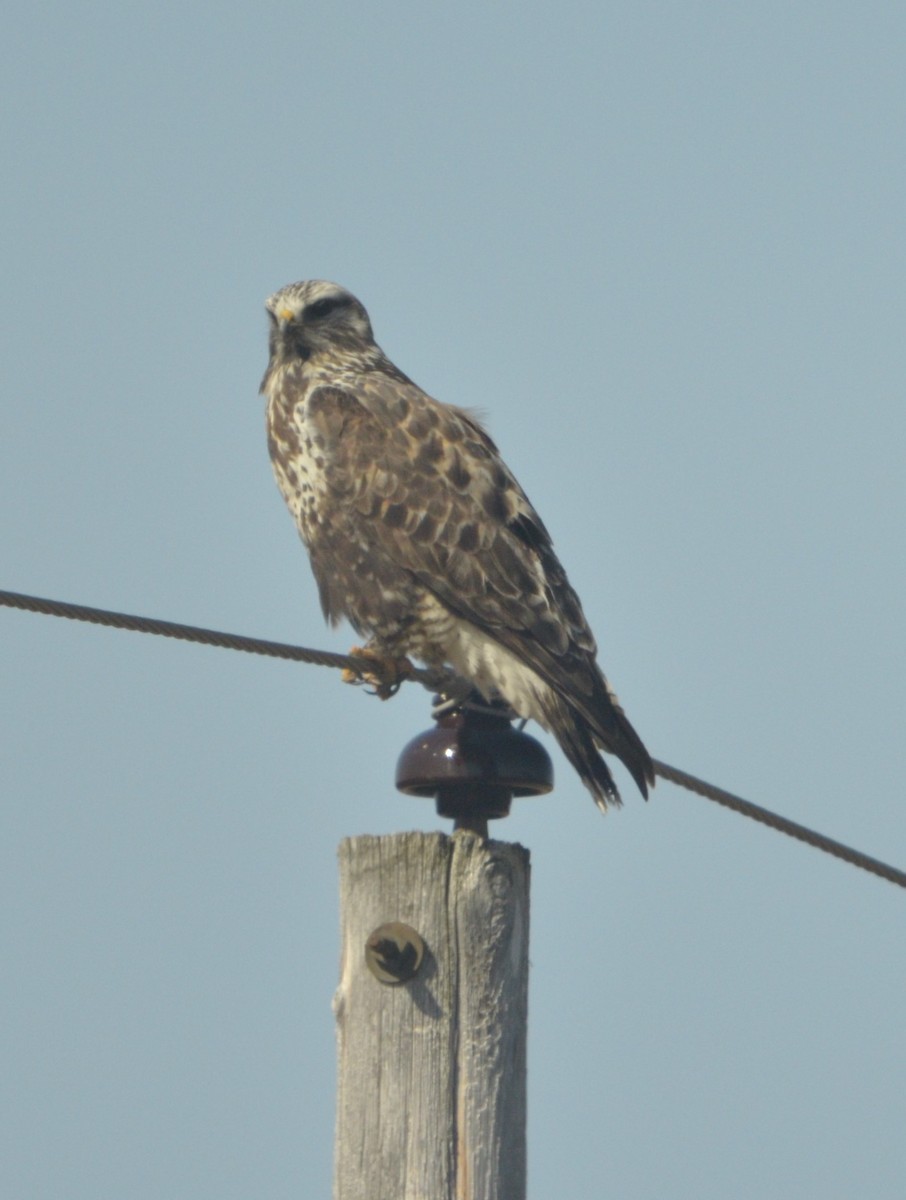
x=420 y=536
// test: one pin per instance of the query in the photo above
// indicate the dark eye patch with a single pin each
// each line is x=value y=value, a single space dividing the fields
x=328 y=304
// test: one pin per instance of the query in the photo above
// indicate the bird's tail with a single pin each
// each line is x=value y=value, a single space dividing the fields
x=580 y=740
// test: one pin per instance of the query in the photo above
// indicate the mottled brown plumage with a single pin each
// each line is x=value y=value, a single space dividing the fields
x=420 y=536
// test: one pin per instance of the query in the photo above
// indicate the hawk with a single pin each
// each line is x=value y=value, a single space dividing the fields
x=420 y=536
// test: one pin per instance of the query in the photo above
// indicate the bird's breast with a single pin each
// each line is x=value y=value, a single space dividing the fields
x=298 y=457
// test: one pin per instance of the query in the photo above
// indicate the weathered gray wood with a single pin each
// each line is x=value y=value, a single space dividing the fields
x=431 y=1095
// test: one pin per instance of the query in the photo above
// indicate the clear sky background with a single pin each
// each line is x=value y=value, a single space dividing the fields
x=661 y=247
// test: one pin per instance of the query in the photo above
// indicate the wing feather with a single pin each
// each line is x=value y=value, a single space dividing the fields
x=432 y=494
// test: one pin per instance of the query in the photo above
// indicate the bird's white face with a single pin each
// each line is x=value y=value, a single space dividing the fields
x=314 y=316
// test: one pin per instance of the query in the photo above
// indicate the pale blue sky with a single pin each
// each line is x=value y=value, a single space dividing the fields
x=661 y=247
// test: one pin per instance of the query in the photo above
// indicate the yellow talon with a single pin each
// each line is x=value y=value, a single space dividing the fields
x=385 y=674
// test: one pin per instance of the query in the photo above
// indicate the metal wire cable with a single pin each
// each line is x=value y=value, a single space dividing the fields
x=782 y=824
x=435 y=680
x=205 y=637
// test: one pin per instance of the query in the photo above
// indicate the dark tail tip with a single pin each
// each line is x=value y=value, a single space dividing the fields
x=630 y=750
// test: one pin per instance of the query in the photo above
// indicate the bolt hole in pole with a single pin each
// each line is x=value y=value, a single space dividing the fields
x=473 y=763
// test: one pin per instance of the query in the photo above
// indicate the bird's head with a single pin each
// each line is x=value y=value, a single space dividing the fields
x=312 y=317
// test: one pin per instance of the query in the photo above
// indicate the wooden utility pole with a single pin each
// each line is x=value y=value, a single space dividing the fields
x=431 y=1099
x=432 y=1003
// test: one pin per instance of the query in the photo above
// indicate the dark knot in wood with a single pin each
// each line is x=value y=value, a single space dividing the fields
x=394 y=953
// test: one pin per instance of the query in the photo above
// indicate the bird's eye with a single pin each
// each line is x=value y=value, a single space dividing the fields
x=320 y=308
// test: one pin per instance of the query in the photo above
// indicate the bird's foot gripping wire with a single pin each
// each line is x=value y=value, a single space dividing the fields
x=383 y=673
